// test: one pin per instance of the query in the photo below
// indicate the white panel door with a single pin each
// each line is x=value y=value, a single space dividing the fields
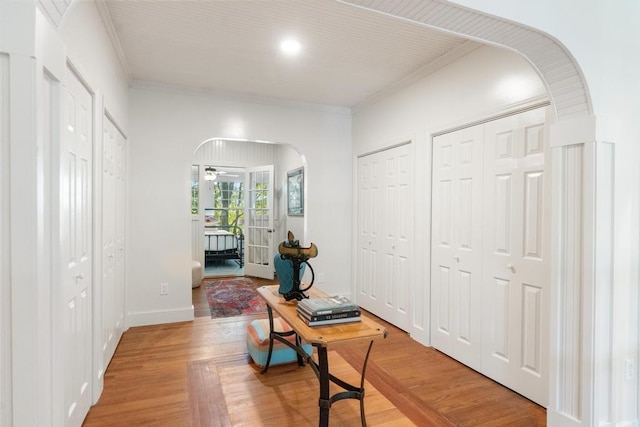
x=76 y=244
x=108 y=240
x=258 y=214
x=385 y=231
x=370 y=286
x=120 y=234
x=516 y=249
x=113 y=181
x=456 y=245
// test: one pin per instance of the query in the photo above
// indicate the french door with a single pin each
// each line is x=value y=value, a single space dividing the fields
x=258 y=214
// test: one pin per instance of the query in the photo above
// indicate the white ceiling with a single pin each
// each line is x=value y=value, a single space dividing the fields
x=350 y=55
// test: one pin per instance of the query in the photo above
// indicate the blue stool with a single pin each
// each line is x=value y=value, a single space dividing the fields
x=258 y=343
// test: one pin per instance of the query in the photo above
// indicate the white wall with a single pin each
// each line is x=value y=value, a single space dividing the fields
x=475 y=86
x=166 y=127
x=17 y=47
x=289 y=160
x=91 y=51
x=5 y=295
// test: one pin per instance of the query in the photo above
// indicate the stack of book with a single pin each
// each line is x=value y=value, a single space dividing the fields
x=328 y=310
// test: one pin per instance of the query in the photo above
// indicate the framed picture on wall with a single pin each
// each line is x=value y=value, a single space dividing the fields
x=295 y=192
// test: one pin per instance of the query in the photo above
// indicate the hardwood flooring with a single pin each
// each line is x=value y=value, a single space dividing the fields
x=200 y=303
x=177 y=375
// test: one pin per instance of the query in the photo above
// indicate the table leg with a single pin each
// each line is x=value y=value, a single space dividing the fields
x=351 y=392
x=323 y=378
x=266 y=366
x=363 y=417
x=280 y=336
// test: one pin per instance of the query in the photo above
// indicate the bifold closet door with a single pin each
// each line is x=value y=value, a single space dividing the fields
x=385 y=234
x=490 y=245
x=516 y=272
x=456 y=246
x=113 y=237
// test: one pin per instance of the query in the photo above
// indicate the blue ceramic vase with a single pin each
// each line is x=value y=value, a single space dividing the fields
x=284 y=271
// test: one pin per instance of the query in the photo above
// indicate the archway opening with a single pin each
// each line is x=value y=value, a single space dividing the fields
x=239 y=208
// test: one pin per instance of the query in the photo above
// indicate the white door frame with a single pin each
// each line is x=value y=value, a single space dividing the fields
x=5 y=295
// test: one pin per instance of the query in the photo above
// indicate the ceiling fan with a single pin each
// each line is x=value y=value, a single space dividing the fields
x=211 y=173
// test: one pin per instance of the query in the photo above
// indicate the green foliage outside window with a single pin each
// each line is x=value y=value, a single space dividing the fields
x=228 y=204
x=195 y=190
x=228 y=201
x=261 y=196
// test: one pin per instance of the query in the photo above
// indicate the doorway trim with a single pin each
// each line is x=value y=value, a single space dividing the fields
x=218 y=154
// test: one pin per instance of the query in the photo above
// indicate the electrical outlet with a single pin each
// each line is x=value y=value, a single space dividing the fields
x=320 y=277
x=164 y=289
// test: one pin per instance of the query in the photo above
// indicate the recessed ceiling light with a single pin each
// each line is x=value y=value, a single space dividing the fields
x=290 y=46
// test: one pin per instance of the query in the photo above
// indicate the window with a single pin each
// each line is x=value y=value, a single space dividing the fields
x=228 y=205
x=195 y=189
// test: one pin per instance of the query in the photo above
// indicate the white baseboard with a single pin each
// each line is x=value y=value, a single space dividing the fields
x=558 y=419
x=144 y=318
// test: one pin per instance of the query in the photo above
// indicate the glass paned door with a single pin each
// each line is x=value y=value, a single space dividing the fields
x=259 y=222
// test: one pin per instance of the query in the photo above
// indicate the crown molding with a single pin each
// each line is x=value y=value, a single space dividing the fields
x=101 y=5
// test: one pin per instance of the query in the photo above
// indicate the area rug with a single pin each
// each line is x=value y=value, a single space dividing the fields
x=233 y=297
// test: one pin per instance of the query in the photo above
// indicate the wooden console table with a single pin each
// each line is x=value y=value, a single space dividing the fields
x=321 y=337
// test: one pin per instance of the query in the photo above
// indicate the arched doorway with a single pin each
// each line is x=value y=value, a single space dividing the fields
x=219 y=205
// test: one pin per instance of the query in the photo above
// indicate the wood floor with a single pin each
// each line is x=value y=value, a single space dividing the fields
x=179 y=374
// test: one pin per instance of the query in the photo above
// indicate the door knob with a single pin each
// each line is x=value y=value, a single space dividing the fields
x=79 y=276
x=510 y=267
x=456 y=258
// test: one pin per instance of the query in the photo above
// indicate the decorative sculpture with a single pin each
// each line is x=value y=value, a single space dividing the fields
x=290 y=265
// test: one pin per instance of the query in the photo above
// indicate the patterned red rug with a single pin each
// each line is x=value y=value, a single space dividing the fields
x=233 y=297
